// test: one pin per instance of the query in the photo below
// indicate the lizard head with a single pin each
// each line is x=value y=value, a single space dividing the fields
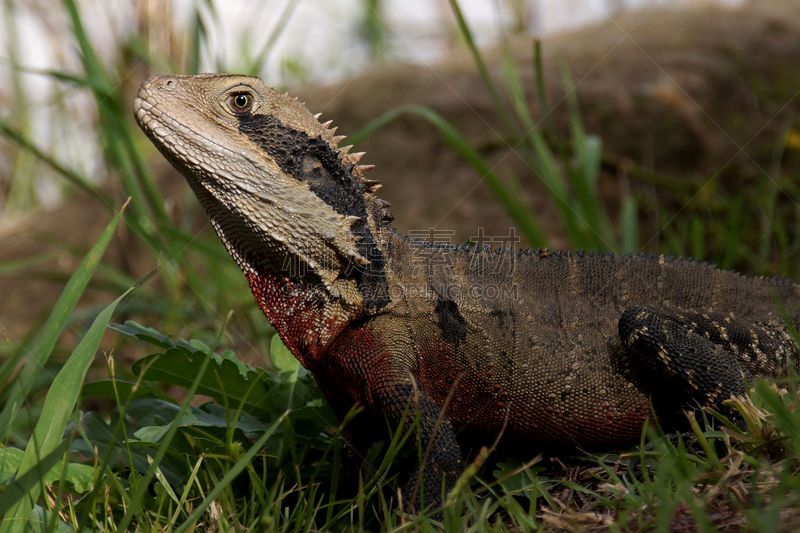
x=279 y=191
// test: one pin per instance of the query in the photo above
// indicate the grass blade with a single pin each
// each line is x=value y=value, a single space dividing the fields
x=56 y=412
x=231 y=474
x=73 y=177
x=466 y=33
x=520 y=214
x=541 y=159
x=587 y=154
x=120 y=147
x=538 y=68
x=55 y=324
x=139 y=490
x=629 y=225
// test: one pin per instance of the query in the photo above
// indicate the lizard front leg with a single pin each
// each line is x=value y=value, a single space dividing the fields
x=440 y=461
x=369 y=370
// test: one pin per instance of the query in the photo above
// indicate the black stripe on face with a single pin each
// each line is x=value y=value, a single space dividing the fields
x=315 y=162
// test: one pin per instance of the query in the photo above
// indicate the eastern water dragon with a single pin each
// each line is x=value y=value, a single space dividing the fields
x=545 y=349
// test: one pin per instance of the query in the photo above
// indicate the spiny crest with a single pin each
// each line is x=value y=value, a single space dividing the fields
x=294 y=114
x=313 y=126
x=351 y=160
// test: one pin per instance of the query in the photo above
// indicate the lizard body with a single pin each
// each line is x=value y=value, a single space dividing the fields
x=545 y=349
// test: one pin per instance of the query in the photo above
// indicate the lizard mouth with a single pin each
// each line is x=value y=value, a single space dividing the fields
x=159 y=126
x=149 y=116
x=167 y=132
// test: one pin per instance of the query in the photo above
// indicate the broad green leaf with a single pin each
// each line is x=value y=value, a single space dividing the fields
x=81 y=477
x=282 y=358
x=102 y=439
x=123 y=389
x=255 y=391
x=148 y=335
x=207 y=416
x=156 y=338
x=16 y=489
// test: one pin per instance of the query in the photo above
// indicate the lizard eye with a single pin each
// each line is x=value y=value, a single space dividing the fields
x=240 y=103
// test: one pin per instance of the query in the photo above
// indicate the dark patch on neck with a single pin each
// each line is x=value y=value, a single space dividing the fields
x=450 y=321
x=505 y=318
x=314 y=161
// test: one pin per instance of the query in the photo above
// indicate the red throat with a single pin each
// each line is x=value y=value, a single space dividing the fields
x=302 y=318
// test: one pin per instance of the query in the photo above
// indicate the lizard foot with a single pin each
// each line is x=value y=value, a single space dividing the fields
x=688 y=359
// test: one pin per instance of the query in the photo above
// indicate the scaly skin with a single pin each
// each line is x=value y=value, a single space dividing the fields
x=542 y=349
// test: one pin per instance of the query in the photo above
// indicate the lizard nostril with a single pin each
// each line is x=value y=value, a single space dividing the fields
x=170 y=83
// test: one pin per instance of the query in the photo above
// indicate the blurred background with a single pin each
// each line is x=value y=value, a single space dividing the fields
x=288 y=43
x=666 y=126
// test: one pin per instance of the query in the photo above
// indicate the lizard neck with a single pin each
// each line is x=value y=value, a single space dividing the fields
x=307 y=310
x=304 y=314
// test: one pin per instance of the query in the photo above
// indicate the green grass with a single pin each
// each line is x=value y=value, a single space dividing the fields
x=265 y=451
x=149 y=445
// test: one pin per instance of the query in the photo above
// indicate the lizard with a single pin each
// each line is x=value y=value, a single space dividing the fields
x=536 y=349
